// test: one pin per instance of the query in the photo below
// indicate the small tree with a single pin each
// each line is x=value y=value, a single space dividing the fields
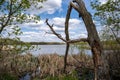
x=13 y=13
x=109 y=15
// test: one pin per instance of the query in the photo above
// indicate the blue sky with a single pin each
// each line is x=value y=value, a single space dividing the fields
x=55 y=11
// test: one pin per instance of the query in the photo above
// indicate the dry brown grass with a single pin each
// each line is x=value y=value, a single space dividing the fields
x=18 y=65
x=50 y=64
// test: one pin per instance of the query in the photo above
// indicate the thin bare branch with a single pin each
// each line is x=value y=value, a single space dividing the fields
x=54 y=32
x=9 y=16
x=118 y=41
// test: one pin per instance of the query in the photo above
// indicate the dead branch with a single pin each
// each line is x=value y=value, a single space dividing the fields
x=54 y=32
x=67 y=35
x=93 y=39
x=68 y=41
x=67 y=22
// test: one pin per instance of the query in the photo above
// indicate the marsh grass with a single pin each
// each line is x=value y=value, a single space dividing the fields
x=51 y=65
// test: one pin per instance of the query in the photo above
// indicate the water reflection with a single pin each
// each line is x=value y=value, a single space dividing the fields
x=26 y=77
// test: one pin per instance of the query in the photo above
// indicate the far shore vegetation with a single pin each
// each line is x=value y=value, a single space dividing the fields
x=107 y=45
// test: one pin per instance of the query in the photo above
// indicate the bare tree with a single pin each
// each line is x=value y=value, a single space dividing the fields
x=101 y=69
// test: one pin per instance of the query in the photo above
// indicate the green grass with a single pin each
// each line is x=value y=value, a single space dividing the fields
x=72 y=76
x=64 y=77
x=61 y=78
x=7 y=76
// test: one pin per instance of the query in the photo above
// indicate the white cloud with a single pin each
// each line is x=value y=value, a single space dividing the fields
x=49 y=6
x=76 y=30
x=60 y=22
x=38 y=37
x=32 y=36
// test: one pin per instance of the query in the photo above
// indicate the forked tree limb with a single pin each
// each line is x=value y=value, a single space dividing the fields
x=67 y=40
x=93 y=40
x=60 y=37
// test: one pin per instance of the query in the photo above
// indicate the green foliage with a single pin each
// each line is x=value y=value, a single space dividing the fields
x=7 y=76
x=109 y=15
x=87 y=74
x=72 y=76
x=13 y=12
x=110 y=45
x=82 y=45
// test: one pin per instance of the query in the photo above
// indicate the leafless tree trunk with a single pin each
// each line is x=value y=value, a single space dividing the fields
x=101 y=69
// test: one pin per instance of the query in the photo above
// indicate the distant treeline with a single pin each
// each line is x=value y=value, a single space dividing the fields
x=8 y=41
x=45 y=43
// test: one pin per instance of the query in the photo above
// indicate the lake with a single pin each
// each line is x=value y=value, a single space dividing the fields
x=58 y=49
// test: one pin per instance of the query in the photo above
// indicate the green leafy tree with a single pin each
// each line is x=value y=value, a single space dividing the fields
x=13 y=13
x=109 y=15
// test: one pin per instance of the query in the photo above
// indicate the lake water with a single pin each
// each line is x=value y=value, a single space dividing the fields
x=58 y=49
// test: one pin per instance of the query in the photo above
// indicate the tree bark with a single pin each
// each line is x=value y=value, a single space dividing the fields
x=101 y=69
